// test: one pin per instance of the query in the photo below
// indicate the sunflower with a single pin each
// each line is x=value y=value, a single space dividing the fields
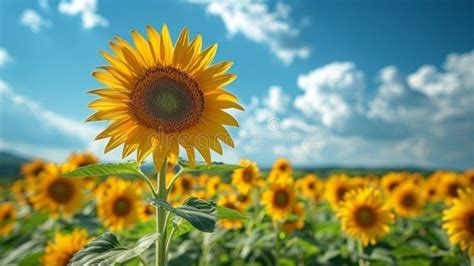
x=336 y=188
x=431 y=191
x=159 y=97
x=279 y=199
x=469 y=176
x=212 y=185
x=246 y=178
x=147 y=211
x=60 y=250
x=391 y=180
x=450 y=184
x=296 y=221
x=281 y=170
x=56 y=194
x=458 y=221
x=312 y=187
x=245 y=200
x=186 y=184
x=33 y=168
x=407 y=200
x=20 y=191
x=7 y=218
x=364 y=215
x=119 y=206
x=230 y=201
x=76 y=160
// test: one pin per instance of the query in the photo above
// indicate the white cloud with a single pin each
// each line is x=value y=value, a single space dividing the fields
x=44 y=5
x=55 y=135
x=87 y=9
x=258 y=23
x=5 y=57
x=34 y=21
x=277 y=100
x=331 y=93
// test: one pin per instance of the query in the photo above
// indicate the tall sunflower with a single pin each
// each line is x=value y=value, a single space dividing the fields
x=119 y=206
x=279 y=199
x=230 y=201
x=450 y=184
x=247 y=177
x=282 y=165
x=407 y=200
x=161 y=96
x=312 y=187
x=365 y=216
x=7 y=218
x=33 y=168
x=336 y=188
x=296 y=222
x=80 y=159
x=55 y=194
x=391 y=180
x=63 y=247
x=458 y=221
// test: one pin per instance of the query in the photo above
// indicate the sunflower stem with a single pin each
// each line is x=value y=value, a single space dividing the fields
x=161 y=217
x=149 y=183
x=360 y=253
x=472 y=260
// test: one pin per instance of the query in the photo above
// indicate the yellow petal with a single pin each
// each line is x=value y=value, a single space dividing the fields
x=166 y=47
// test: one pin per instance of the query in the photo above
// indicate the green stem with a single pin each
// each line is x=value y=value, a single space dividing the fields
x=161 y=218
x=144 y=263
x=170 y=237
x=149 y=183
x=360 y=252
x=472 y=260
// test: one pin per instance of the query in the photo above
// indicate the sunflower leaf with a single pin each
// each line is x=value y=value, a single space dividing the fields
x=202 y=166
x=107 y=250
x=200 y=213
x=102 y=169
x=231 y=214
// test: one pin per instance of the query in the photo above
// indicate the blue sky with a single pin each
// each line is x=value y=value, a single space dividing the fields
x=370 y=83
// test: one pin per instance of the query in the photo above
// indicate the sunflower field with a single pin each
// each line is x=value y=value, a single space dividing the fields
x=166 y=101
x=284 y=217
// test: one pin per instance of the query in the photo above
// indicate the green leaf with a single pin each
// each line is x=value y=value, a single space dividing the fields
x=231 y=214
x=102 y=169
x=202 y=166
x=200 y=213
x=107 y=250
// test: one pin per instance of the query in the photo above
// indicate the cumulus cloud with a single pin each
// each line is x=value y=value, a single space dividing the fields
x=34 y=21
x=86 y=9
x=5 y=57
x=413 y=119
x=332 y=93
x=55 y=135
x=258 y=23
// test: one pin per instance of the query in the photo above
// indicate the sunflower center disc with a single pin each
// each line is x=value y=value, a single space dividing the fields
x=340 y=192
x=122 y=207
x=167 y=99
x=365 y=217
x=408 y=201
x=61 y=191
x=453 y=190
x=281 y=198
x=470 y=222
x=247 y=175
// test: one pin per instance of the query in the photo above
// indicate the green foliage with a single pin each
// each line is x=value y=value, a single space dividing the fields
x=107 y=250
x=103 y=169
x=201 y=166
x=200 y=213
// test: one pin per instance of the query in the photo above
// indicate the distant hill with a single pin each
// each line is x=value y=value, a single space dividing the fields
x=10 y=166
